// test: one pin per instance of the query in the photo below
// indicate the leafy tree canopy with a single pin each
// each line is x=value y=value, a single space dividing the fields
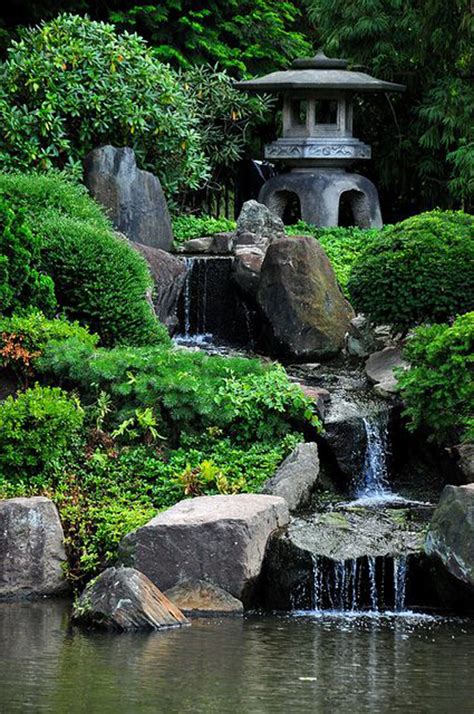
x=427 y=46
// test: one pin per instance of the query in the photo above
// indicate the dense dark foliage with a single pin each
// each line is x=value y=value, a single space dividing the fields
x=423 y=140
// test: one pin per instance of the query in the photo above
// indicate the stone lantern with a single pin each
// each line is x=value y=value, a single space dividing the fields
x=317 y=144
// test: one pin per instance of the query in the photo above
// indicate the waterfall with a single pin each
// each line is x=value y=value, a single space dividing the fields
x=211 y=311
x=189 y=264
x=399 y=581
x=373 y=481
x=359 y=584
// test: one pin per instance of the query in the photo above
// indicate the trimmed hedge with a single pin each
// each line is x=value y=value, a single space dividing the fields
x=420 y=270
x=99 y=278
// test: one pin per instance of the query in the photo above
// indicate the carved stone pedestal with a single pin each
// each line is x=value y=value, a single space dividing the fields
x=320 y=192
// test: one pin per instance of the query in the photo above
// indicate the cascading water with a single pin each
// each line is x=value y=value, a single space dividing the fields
x=365 y=583
x=211 y=312
x=359 y=584
x=373 y=481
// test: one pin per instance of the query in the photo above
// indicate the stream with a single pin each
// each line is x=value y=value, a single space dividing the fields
x=256 y=664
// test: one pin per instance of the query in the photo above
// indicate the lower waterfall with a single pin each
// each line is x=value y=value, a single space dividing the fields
x=371 y=584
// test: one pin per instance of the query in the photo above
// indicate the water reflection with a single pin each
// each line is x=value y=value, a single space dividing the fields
x=260 y=664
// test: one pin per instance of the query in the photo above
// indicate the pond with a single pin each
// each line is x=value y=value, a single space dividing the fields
x=258 y=664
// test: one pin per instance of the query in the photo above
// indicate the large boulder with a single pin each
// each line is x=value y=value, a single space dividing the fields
x=220 y=539
x=306 y=311
x=124 y=599
x=296 y=477
x=169 y=275
x=32 y=555
x=450 y=542
x=257 y=226
x=197 y=598
x=133 y=198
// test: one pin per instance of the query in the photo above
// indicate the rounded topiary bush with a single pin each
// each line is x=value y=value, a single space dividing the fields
x=99 y=278
x=419 y=270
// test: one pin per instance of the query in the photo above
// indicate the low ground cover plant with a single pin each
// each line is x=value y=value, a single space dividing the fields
x=186 y=227
x=128 y=431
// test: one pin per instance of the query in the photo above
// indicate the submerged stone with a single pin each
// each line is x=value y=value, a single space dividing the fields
x=125 y=599
x=199 y=597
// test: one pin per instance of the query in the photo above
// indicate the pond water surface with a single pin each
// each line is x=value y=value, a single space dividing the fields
x=258 y=664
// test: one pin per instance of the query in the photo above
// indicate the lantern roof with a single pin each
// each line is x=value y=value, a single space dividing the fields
x=319 y=72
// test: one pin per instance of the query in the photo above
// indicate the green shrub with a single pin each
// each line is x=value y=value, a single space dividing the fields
x=38 y=429
x=72 y=84
x=187 y=227
x=105 y=496
x=99 y=278
x=23 y=338
x=100 y=281
x=21 y=283
x=438 y=389
x=186 y=391
x=342 y=245
x=420 y=270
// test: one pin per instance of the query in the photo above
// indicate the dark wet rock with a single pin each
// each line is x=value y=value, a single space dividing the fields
x=246 y=270
x=306 y=312
x=379 y=369
x=133 y=198
x=32 y=555
x=196 y=598
x=125 y=599
x=363 y=338
x=464 y=454
x=220 y=539
x=296 y=478
x=169 y=275
x=257 y=226
x=320 y=396
x=346 y=437
x=450 y=542
x=317 y=557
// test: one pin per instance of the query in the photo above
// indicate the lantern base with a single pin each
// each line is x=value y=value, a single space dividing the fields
x=321 y=194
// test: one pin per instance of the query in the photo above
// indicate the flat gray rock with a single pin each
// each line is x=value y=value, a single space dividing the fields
x=379 y=369
x=296 y=477
x=219 y=539
x=32 y=555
